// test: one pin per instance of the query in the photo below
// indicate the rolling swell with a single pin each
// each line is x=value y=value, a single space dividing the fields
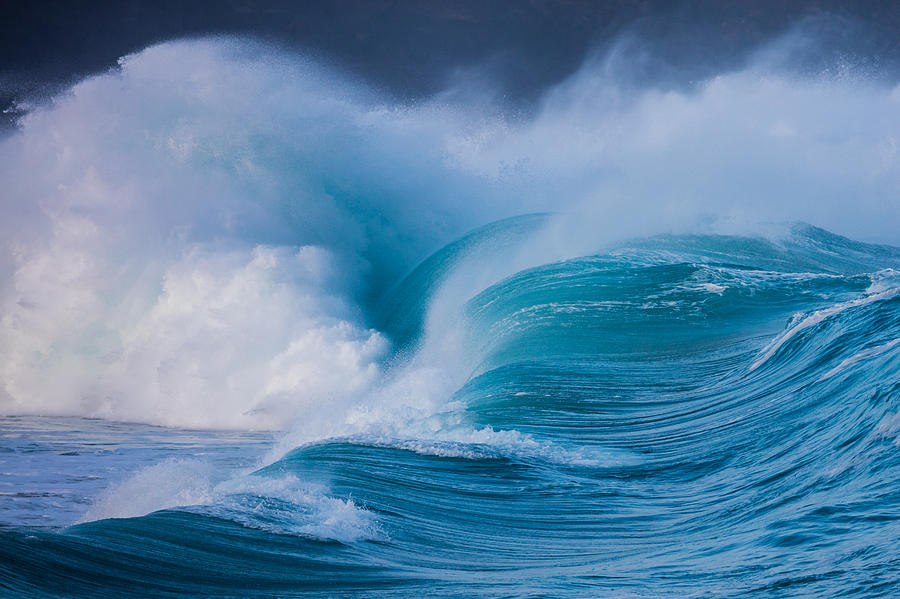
x=702 y=415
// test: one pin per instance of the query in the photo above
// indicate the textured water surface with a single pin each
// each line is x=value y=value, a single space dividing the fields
x=701 y=416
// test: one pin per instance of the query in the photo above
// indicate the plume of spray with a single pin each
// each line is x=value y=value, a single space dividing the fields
x=196 y=238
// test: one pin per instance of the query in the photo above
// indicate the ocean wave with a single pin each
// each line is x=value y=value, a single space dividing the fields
x=624 y=396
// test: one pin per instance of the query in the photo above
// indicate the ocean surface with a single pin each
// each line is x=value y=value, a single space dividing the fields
x=267 y=331
x=678 y=416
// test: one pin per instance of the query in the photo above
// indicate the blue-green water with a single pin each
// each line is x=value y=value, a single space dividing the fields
x=683 y=416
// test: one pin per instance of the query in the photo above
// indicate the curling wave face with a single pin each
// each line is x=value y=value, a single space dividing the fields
x=561 y=405
x=688 y=414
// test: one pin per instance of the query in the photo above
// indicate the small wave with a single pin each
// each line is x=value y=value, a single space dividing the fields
x=488 y=443
x=802 y=322
x=282 y=505
x=168 y=484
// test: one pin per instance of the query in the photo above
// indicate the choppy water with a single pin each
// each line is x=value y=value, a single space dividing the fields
x=698 y=415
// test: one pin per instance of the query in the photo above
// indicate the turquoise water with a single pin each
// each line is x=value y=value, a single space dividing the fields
x=680 y=416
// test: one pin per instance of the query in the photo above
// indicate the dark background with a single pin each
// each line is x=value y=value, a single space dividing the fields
x=409 y=48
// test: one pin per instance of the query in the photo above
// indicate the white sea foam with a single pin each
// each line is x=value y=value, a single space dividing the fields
x=168 y=484
x=283 y=505
x=467 y=441
x=479 y=443
x=232 y=339
x=299 y=508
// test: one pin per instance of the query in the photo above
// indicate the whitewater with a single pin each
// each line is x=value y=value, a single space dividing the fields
x=268 y=331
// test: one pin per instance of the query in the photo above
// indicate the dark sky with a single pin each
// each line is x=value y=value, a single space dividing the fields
x=410 y=47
